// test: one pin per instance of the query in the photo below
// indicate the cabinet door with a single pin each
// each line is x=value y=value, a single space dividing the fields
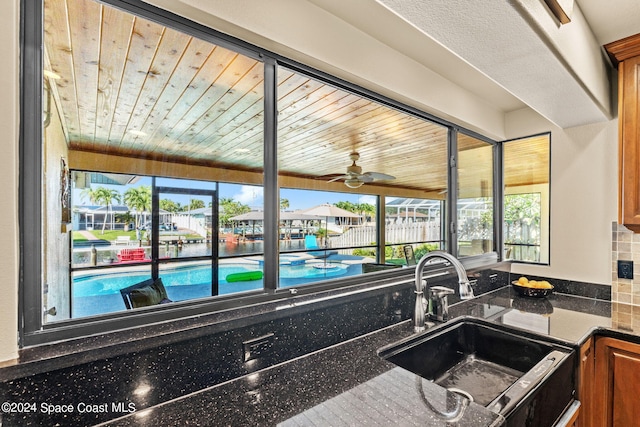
x=585 y=383
x=629 y=129
x=616 y=383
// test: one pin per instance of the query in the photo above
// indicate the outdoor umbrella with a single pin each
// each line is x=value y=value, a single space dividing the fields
x=326 y=210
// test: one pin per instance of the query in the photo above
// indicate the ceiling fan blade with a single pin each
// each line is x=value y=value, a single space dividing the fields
x=338 y=178
x=379 y=176
x=365 y=178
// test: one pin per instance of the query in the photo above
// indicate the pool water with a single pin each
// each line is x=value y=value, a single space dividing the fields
x=103 y=284
x=100 y=293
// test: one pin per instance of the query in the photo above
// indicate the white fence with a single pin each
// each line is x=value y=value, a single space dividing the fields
x=187 y=221
x=395 y=233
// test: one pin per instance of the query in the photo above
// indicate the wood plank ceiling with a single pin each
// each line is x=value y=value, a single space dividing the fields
x=131 y=87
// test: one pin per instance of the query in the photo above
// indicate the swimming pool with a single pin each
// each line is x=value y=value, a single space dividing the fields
x=200 y=275
x=97 y=294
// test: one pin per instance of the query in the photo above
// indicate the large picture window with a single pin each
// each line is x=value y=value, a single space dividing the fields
x=161 y=138
x=170 y=169
x=387 y=160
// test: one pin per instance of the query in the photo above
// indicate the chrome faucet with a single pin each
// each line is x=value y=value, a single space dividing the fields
x=422 y=304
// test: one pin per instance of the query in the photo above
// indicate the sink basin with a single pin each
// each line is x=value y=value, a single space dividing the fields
x=492 y=365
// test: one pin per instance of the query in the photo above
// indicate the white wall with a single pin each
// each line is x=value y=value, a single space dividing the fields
x=584 y=194
x=56 y=239
x=9 y=34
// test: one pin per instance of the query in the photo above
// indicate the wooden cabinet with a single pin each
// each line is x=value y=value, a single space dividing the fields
x=616 y=384
x=625 y=54
x=585 y=383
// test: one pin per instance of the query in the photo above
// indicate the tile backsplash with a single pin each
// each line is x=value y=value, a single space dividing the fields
x=625 y=246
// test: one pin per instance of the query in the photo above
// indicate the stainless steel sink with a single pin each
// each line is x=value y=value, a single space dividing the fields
x=492 y=365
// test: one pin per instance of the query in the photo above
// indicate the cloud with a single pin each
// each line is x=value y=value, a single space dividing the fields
x=250 y=195
x=371 y=200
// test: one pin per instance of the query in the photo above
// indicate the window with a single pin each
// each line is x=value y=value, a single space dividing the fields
x=475 y=196
x=173 y=154
x=526 y=199
x=152 y=130
x=115 y=243
x=344 y=152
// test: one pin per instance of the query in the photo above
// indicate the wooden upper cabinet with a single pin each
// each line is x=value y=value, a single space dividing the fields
x=625 y=54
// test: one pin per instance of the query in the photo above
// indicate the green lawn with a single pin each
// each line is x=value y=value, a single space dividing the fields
x=77 y=237
x=109 y=235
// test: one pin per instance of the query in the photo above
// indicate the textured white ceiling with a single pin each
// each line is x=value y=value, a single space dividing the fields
x=505 y=42
x=612 y=20
x=386 y=26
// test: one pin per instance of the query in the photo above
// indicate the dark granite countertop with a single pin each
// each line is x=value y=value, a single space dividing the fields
x=348 y=384
x=568 y=318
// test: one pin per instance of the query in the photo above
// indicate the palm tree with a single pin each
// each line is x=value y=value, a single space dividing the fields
x=170 y=205
x=230 y=208
x=284 y=204
x=194 y=204
x=104 y=197
x=126 y=218
x=347 y=206
x=363 y=209
x=138 y=199
x=366 y=210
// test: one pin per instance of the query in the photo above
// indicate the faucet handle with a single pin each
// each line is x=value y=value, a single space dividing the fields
x=438 y=304
x=440 y=291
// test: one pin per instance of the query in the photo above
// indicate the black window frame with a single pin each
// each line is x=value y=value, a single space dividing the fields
x=32 y=329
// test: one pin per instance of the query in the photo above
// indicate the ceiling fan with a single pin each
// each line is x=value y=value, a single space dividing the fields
x=354 y=177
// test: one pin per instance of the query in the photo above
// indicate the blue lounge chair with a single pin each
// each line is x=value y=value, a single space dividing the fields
x=310 y=242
